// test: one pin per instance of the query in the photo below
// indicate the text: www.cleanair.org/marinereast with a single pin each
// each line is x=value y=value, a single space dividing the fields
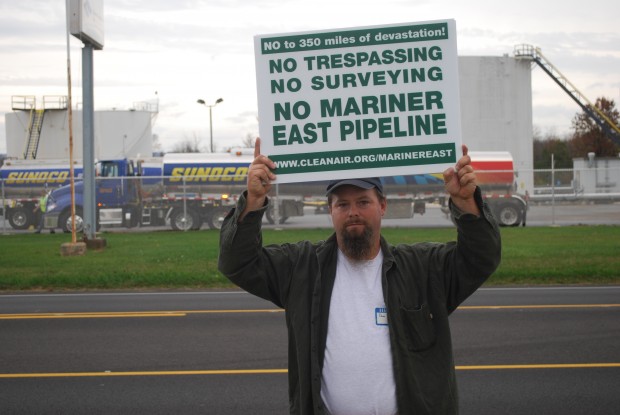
x=359 y=159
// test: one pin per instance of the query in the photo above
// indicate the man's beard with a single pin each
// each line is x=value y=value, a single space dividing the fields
x=355 y=246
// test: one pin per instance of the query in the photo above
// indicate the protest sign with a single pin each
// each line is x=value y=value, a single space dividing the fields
x=369 y=101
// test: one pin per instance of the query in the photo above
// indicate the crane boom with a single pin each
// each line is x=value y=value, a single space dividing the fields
x=598 y=116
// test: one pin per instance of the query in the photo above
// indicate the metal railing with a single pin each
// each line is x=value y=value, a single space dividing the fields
x=55 y=102
x=23 y=102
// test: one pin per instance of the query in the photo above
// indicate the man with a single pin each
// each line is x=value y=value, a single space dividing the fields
x=39 y=211
x=367 y=322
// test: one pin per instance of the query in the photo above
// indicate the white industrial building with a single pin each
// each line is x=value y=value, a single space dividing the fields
x=596 y=177
x=118 y=134
x=496 y=112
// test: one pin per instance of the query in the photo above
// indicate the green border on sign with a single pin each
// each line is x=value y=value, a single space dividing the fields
x=354 y=38
x=373 y=158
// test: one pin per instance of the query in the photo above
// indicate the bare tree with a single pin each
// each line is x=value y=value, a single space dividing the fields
x=248 y=141
x=188 y=145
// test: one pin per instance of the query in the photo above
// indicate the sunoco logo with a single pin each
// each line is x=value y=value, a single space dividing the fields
x=38 y=177
x=209 y=174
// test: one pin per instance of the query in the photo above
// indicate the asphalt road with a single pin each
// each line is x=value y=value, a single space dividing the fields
x=517 y=351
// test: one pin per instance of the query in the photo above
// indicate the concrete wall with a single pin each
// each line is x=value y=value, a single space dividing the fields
x=118 y=134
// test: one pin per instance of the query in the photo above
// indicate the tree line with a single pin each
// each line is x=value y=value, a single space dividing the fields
x=586 y=137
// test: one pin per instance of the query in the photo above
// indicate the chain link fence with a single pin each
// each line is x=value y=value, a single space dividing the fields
x=587 y=195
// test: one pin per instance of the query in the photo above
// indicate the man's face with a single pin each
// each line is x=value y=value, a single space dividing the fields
x=356 y=214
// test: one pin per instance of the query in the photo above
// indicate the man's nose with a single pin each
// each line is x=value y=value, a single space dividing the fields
x=353 y=210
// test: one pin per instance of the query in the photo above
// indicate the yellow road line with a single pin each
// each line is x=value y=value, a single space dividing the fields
x=154 y=373
x=541 y=366
x=128 y=314
x=91 y=315
x=535 y=306
x=283 y=371
x=266 y=310
x=184 y=313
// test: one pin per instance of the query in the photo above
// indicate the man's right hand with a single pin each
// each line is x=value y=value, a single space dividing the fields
x=260 y=176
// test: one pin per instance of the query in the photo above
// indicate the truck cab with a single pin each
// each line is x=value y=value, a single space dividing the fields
x=116 y=194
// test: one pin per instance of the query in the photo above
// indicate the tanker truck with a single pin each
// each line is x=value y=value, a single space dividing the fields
x=201 y=188
x=495 y=174
x=408 y=195
x=187 y=190
x=25 y=181
x=182 y=190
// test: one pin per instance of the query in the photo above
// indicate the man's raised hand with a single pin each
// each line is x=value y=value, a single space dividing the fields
x=260 y=176
x=460 y=182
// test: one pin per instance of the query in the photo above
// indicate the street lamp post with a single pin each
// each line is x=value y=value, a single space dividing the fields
x=202 y=101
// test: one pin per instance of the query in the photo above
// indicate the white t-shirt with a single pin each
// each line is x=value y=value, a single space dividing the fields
x=358 y=376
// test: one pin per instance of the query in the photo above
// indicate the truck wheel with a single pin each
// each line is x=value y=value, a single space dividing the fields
x=19 y=218
x=184 y=220
x=509 y=215
x=133 y=220
x=65 y=224
x=216 y=220
x=269 y=215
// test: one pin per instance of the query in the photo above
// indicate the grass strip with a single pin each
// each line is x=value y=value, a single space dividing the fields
x=531 y=255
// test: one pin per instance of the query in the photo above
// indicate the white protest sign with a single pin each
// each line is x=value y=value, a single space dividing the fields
x=370 y=101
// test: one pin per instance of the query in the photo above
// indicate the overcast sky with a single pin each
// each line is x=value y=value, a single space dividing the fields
x=178 y=51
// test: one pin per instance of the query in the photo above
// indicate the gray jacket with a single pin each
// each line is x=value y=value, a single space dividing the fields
x=422 y=284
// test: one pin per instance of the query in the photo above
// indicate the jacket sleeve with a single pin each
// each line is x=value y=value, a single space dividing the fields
x=262 y=271
x=474 y=257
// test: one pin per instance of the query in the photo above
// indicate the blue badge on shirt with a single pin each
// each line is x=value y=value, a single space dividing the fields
x=381 y=318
